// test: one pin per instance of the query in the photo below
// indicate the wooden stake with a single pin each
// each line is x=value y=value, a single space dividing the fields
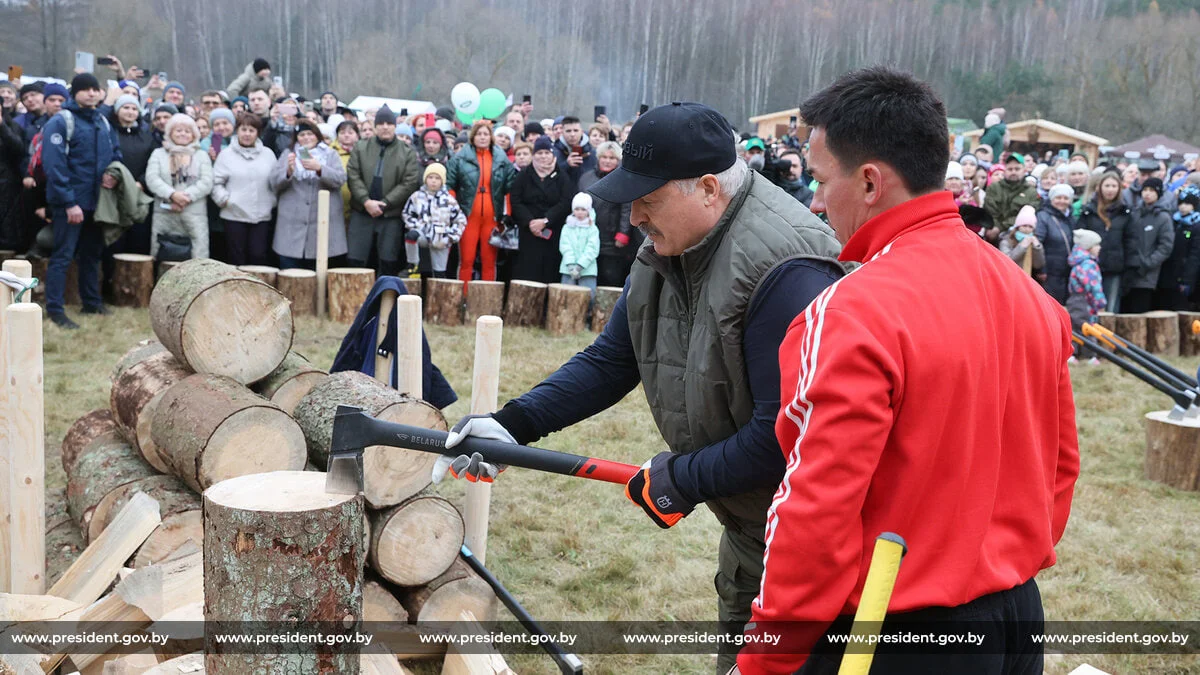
x=470 y=662
x=322 y=248
x=23 y=270
x=27 y=444
x=409 y=346
x=85 y=580
x=485 y=390
x=383 y=364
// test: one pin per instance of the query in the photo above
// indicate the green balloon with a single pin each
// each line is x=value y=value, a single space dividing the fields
x=491 y=103
x=465 y=117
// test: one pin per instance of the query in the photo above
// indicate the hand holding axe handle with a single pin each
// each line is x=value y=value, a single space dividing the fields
x=1183 y=399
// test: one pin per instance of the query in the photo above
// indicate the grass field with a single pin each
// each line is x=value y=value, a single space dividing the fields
x=577 y=550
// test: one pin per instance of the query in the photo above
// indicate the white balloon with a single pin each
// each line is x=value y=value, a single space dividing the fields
x=465 y=97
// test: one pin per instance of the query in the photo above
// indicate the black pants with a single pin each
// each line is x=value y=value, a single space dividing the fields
x=247 y=243
x=1007 y=619
x=612 y=270
x=1171 y=299
x=1137 y=301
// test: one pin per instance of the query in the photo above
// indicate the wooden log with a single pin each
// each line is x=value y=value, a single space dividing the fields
x=22 y=270
x=136 y=391
x=485 y=392
x=1173 y=451
x=133 y=279
x=348 y=289
x=102 y=466
x=277 y=547
x=444 y=598
x=412 y=286
x=83 y=431
x=27 y=443
x=220 y=321
x=478 y=659
x=567 y=309
x=1162 y=333
x=1132 y=327
x=444 y=301
x=64 y=542
x=290 y=382
x=415 y=541
x=484 y=298
x=209 y=428
x=179 y=508
x=1108 y=320
x=322 y=251
x=392 y=474
x=166 y=266
x=264 y=272
x=1189 y=341
x=141 y=351
x=96 y=568
x=380 y=604
x=300 y=288
x=606 y=299
x=525 y=304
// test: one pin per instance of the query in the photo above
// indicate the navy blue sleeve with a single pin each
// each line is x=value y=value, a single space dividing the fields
x=592 y=381
x=751 y=458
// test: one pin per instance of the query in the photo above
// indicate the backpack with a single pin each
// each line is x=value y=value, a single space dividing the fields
x=36 y=168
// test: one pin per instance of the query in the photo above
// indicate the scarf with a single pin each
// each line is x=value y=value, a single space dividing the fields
x=183 y=170
x=1190 y=220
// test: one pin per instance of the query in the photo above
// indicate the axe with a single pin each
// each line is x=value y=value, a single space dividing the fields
x=1157 y=367
x=354 y=430
x=1185 y=401
x=1097 y=330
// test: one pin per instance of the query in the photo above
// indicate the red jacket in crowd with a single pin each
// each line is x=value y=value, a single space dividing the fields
x=926 y=394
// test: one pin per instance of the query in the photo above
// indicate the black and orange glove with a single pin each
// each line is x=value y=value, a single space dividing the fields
x=654 y=490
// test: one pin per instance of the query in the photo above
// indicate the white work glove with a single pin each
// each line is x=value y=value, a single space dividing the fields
x=472 y=467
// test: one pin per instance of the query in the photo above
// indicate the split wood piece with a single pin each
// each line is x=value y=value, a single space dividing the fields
x=477 y=661
x=444 y=301
x=166 y=266
x=1132 y=327
x=15 y=608
x=348 y=290
x=137 y=388
x=188 y=664
x=1108 y=320
x=1173 y=451
x=484 y=298
x=526 y=303
x=412 y=286
x=104 y=465
x=410 y=338
x=128 y=664
x=300 y=288
x=606 y=299
x=133 y=279
x=485 y=392
x=290 y=382
x=414 y=542
x=384 y=353
x=382 y=664
x=1162 y=333
x=95 y=569
x=391 y=474
x=567 y=309
x=22 y=270
x=83 y=431
x=277 y=547
x=26 y=446
x=322 y=251
x=264 y=272
x=220 y=321
x=209 y=428
x=444 y=598
x=179 y=508
x=64 y=542
x=380 y=604
x=187 y=634
x=1189 y=342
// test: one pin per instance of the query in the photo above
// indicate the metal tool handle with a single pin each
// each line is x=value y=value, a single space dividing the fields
x=1126 y=349
x=1179 y=397
x=1188 y=379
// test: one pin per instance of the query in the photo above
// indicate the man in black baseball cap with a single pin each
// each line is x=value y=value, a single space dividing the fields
x=733 y=260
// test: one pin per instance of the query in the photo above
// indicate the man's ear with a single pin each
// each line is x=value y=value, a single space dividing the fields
x=872 y=179
x=711 y=187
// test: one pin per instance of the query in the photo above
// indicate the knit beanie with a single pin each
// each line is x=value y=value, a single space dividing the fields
x=968 y=158
x=401 y=129
x=84 y=81
x=8 y=84
x=55 y=89
x=954 y=170
x=435 y=169
x=126 y=99
x=175 y=85
x=1078 y=167
x=1039 y=170
x=181 y=119
x=32 y=86
x=1190 y=194
x=443 y=125
x=385 y=116
x=222 y=114
x=582 y=200
x=128 y=83
x=1026 y=216
x=543 y=143
x=245 y=101
x=166 y=107
x=1155 y=184
x=534 y=128
x=507 y=132
x=1086 y=239
x=260 y=64
x=991 y=120
x=1062 y=189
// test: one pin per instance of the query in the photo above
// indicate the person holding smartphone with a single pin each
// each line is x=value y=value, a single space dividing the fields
x=308 y=167
x=256 y=75
x=575 y=153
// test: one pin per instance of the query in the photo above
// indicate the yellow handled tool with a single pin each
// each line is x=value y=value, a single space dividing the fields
x=872 y=607
x=1196 y=327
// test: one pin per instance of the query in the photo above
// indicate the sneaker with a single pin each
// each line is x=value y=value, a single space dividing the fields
x=1094 y=361
x=63 y=322
x=101 y=309
x=1072 y=359
x=413 y=272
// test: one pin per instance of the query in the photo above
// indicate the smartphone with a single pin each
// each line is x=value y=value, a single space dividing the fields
x=85 y=61
x=105 y=61
x=546 y=233
x=597 y=111
x=304 y=153
x=404 y=112
x=162 y=75
x=308 y=106
x=526 y=99
x=15 y=73
x=217 y=140
x=278 y=79
x=642 y=109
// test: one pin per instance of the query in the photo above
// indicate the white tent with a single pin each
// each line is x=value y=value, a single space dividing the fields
x=361 y=103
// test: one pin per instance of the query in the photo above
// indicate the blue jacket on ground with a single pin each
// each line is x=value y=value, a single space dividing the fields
x=358 y=347
x=73 y=173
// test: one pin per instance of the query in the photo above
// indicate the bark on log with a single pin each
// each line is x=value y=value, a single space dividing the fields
x=606 y=299
x=414 y=542
x=413 y=286
x=133 y=279
x=136 y=391
x=179 y=508
x=1189 y=342
x=209 y=428
x=1173 y=451
x=85 y=430
x=220 y=321
x=484 y=298
x=567 y=309
x=290 y=382
x=444 y=598
x=277 y=547
x=348 y=289
x=380 y=604
x=526 y=304
x=264 y=272
x=104 y=465
x=64 y=542
x=300 y=288
x=166 y=266
x=1132 y=327
x=141 y=351
x=1108 y=320
x=392 y=474
x=1162 y=333
x=444 y=301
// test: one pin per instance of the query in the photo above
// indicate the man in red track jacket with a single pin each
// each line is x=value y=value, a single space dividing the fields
x=926 y=394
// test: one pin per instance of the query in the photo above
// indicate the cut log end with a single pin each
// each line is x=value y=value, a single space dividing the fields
x=275 y=492
x=300 y=288
x=416 y=541
x=1171 y=451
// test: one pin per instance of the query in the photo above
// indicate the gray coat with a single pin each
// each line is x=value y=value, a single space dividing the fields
x=241 y=183
x=296 y=223
x=1150 y=245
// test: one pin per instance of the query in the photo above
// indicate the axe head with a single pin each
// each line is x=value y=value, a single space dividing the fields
x=344 y=470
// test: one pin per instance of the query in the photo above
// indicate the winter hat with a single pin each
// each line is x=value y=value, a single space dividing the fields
x=1179 y=168
x=534 y=128
x=1061 y=170
x=166 y=107
x=547 y=123
x=8 y=84
x=1190 y=194
x=1155 y=184
x=1039 y=170
x=954 y=170
x=128 y=83
x=507 y=131
x=582 y=200
x=1026 y=216
x=222 y=114
x=84 y=81
x=543 y=143
x=1078 y=167
x=175 y=85
x=443 y=125
x=327 y=131
x=1062 y=189
x=124 y=100
x=991 y=120
x=260 y=64
x=968 y=158
x=32 y=86
x=55 y=89
x=558 y=120
x=1086 y=239
x=385 y=116
x=433 y=130
x=245 y=101
x=462 y=138
x=403 y=129
x=435 y=169
x=178 y=119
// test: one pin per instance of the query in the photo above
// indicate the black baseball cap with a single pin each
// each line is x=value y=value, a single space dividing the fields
x=670 y=142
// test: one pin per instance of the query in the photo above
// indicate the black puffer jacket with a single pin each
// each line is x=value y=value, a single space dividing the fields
x=1054 y=229
x=12 y=150
x=612 y=219
x=1114 y=240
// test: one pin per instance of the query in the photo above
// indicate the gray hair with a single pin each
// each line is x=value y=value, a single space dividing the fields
x=609 y=146
x=730 y=180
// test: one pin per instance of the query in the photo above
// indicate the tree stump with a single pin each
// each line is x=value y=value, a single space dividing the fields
x=392 y=474
x=133 y=279
x=1132 y=327
x=179 y=508
x=348 y=290
x=278 y=548
x=412 y=286
x=83 y=431
x=1189 y=341
x=484 y=298
x=300 y=288
x=166 y=266
x=64 y=542
x=264 y=272
x=220 y=321
x=443 y=302
x=143 y=376
x=1107 y=320
x=606 y=299
x=290 y=382
x=444 y=598
x=526 y=303
x=104 y=465
x=567 y=309
x=1162 y=333
x=1173 y=451
x=414 y=542
x=210 y=428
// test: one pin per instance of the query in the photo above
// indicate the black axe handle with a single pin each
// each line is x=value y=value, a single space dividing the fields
x=1179 y=397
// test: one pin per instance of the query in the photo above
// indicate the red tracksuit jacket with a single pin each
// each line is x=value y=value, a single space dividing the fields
x=927 y=394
